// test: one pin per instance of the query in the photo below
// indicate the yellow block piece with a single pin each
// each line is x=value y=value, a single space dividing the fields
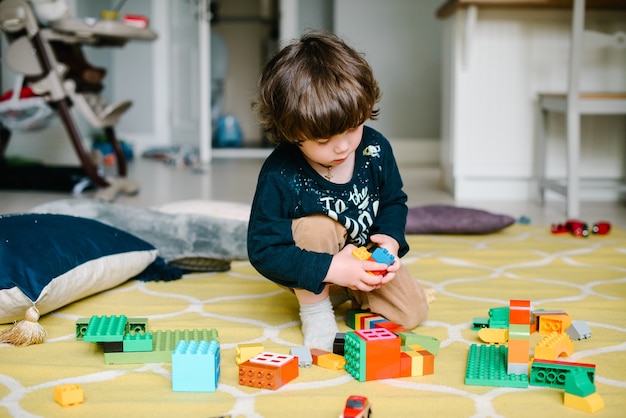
x=331 y=361
x=554 y=323
x=553 y=346
x=69 y=394
x=245 y=352
x=590 y=403
x=494 y=335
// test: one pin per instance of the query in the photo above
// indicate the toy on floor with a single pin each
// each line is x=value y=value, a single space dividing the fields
x=69 y=394
x=357 y=407
x=512 y=365
x=580 y=228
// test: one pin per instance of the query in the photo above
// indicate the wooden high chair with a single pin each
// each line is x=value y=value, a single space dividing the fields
x=51 y=62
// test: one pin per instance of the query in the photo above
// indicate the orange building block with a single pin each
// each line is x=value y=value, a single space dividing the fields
x=268 y=371
x=519 y=351
x=69 y=394
x=383 y=353
x=548 y=324
x=327 y=360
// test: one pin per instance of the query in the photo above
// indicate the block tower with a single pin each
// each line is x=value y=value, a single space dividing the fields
x=519 y=337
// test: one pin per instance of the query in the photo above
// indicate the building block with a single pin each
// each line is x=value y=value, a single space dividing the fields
x=303 y=354
x=327 y=359
x=549 y=323
x=577 y=383
x=244 y=352
x=519 y=331
x=372 y=354
x=499 y=317
x=494 y=335
x=81 y=327
x=105 y=329
x=579 y=330
x=422 y=361
x=69 y=394
x=163 y=344
x=519 y=312
x=268 y=371
x=553 y=346
x=339 y=342
x=487 y=366
x=552 y=374
x=381 y=255
x=519 y=351
x=195 y=366
x=409 y=338
x=390 y=326
x=591 y=403
x=112 y=346
x=137 y=342
x=137 y=325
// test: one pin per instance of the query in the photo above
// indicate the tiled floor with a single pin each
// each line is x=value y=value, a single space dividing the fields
x=232 y=179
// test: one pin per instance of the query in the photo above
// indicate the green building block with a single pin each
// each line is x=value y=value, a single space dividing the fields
x=553 y=374
x=487 y=366
x=499 y=317
x=431 y=344
x=355 y=356
x=163 y=344
x=105 y=329
x=137 y=342
x=137 y=325
x=81 y=327
x=577 y=383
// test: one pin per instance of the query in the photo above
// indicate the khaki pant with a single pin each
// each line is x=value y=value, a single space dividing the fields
x=402 y=300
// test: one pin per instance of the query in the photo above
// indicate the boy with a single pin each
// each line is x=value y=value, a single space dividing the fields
x=330 y=186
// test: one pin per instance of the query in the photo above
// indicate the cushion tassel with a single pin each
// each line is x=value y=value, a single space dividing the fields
x=26 y=332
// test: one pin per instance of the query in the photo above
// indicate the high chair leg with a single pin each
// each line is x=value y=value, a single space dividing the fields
x=63 y=110
x=117 y=149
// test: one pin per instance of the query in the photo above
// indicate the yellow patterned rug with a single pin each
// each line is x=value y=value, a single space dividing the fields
x=584 y=277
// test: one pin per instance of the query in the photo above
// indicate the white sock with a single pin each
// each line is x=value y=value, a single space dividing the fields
x=318 y=324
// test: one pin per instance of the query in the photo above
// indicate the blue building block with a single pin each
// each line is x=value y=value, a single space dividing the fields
x=487 y=366
x=381 y=255
x=195 y=366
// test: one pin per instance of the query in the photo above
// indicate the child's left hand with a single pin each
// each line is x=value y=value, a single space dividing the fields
x=391 y=245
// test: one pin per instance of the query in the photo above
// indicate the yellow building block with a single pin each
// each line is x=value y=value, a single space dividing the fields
x=554 y=323
x=590 y=403
x=69 y=394
x=494 y=335
x=553 y=346
x=245 y=352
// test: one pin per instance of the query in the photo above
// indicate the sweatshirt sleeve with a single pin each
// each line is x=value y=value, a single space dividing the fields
x=271 y=247
x=391 y=218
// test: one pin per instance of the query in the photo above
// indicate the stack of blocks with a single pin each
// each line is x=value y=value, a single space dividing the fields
x=519 y=337
x=380 y=349
x=497 y=365
x=194 y=354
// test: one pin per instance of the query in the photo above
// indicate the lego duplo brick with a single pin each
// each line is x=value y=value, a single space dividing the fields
x=579 y=330
x=268 y=371
x=519 y=351
x=163 y=344
x=592 y=403
x=354 y=354
x=244 y=352
x=554 y=323
x=499 y=317
x=553 y=346
x=195 y=366
x=68 y=394
x=519 y=312
x=327 y=359
x=551 y=373
x=105 y=329
x=137 y=342
x=577 y=383
x=409 y=338
x=493 y=335
x=487 y=366
x=382 y=353
x=303 y=355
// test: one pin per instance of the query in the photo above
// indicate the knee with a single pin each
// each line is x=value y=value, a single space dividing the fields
x=318 y=233
x=414 y=317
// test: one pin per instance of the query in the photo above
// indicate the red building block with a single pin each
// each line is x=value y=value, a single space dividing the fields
x=383 y=353
x=519 y=312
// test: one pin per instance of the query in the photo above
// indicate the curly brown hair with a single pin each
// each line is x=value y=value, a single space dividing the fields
x=315 y=88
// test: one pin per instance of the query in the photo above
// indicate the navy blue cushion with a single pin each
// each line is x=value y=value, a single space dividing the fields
x=52 y=260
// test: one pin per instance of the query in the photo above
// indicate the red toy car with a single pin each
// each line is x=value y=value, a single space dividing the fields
x=357 y=407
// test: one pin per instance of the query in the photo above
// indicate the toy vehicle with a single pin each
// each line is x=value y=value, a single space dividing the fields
x=357 y=407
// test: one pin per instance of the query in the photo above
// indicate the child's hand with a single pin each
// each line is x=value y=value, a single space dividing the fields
x=347 y=271
x=392 y=246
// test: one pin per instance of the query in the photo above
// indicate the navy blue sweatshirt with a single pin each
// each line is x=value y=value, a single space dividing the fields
x=288 y=187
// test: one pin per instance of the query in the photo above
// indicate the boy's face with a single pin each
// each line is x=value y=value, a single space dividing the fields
x=335 y=150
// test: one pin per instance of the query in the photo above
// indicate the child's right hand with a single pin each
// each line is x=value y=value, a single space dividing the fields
x=347 y=271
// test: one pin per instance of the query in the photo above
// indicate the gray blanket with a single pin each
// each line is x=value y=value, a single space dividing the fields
x=197 y=240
